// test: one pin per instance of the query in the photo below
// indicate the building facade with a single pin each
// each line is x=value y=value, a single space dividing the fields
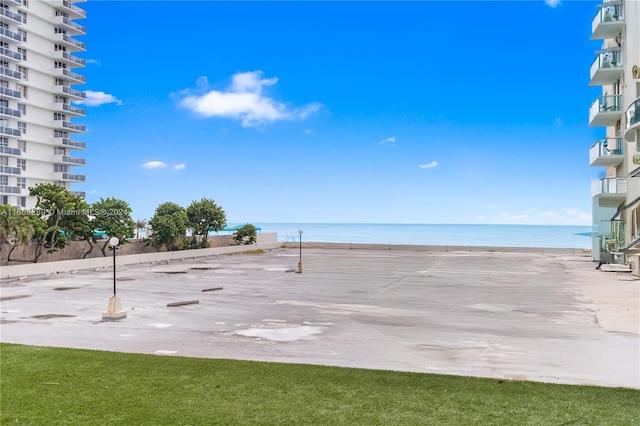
x=37 y=133
x=616 y=197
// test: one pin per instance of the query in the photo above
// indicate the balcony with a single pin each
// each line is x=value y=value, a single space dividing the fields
x=10 y=170
x=74 y=178
x=76 y=94
x=80 y=112
x=75 y=77
x=9 y=92
x=74 y=127
x=65 y=159
x=69 y=8
x=10 y=112
x=10 y=131
x=609 y=20
x=69 y=58
x=75 y=45
x=10 y=34
x=10 y=73
x=13 y=16
x=9 y=150
x=10 y=54
x=607 y=68
x=605 y=111
x=9 y=189
x=632 y=119
x=613 y=188
x=70 y=26
x=71 y=143
x=606 y=152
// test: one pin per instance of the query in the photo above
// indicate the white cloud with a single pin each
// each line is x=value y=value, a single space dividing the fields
x=243 y=100
x=480 y=218
x=180 y=166
x=429 y=165
x=558 y=122
x=552 y=3
x=154 y=165
x=308 y=131
x=390 y=140
x=97 y=99
x=93 y=61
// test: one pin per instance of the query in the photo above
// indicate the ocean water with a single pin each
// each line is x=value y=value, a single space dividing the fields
x=553 y=236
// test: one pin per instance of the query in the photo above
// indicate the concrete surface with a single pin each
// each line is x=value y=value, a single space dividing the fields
x=515 y=315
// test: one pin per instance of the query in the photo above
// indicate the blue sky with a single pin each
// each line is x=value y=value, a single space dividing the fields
x=376 y=112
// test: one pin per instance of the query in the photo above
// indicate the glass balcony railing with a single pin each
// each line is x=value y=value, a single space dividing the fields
x=612 y=186
x=10 y=73
x=10 y=34
x=10 y=112
x=73 y=160
x=10 y=92
x=10 y=54
x=609 y=20
x=605 y=110
x=75 y=127
x=10 y=170
x=10 y=131
x=10 y=189
x=11 y=15
x=77 y=178
x=72 y=143
x=633 y=114
x=9 y=150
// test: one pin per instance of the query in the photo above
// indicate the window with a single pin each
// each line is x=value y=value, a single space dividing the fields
x=59 y=151
x=60 y=134
x=4 y=103
x=22 y=164
x=60 y=99
x=60 y=48
x=4 y=141
x=4 y=122
x=58 y=64
x=4 y=83
x=22 y=145
x=22 y=202
x=23 y=33
x=60 y=168
x=24 y=71
x=22 y=108
x=58 y=116
x=4 y=161
x=22 y=126
x=22 y=89
x=61 y=184
x=61 y=13
x=23 y=52
x=24 y=16
x=21 y=182
x=60 y=31
x=4 y=199
x=4 y=180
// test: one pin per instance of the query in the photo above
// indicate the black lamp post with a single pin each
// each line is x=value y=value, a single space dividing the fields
x=113 y=242
x=299 y=270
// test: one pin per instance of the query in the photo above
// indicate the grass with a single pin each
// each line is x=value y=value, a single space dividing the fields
x=53 y=386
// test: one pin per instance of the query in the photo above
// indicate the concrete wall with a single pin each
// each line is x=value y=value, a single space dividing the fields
x=265 y=241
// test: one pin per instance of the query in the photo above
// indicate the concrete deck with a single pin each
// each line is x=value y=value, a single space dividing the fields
x=514 y=315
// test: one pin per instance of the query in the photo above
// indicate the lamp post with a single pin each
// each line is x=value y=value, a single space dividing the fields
x=299 y=270
x=114 y=308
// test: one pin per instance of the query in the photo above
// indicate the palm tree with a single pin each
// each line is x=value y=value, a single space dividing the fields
x=140 y=224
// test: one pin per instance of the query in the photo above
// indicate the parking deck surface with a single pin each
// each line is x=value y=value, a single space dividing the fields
x=512 y=315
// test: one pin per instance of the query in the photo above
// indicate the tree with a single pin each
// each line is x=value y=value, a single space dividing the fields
x=15 y=227
x=246 y=235
x=140 y=224
x=113 y=216
x=205 y=216
x=59 y=209
x=168 y=225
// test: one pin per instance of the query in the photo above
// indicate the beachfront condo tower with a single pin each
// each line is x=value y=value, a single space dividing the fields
x=616 y=197
x=37 y=133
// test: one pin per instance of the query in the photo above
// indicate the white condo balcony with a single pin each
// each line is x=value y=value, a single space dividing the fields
x=69 y=8
x=73 y=178
x=10 y=34
x=7 y=150
x=10 y=190
x=12 y=16
x=71 y=27
x=67 y=57
x=605 y=111
x=632 y=121
x=74 y=78
x=607 y=67
x=66 y=159
x=14 y=75
x=70 y=42
x=69 y=143
x=609 y=20
x=612 y=188
x=66 y=90
x=10 y=112
x=11 y=55
x=606 y=152
x=73 y=110
x=10 y=92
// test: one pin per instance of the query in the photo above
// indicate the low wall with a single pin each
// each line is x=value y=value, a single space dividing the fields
x=265 y=242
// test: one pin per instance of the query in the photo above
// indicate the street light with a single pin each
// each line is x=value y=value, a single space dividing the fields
x=114 y=309
x=299 y=270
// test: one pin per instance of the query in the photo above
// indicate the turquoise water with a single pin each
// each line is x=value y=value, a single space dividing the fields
x=556 y=236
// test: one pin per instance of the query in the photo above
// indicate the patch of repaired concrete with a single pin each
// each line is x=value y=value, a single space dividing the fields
x=6 y=299
x=65 y=288
x=281 y=334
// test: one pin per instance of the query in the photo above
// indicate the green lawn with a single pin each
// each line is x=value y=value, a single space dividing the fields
x=49 y=386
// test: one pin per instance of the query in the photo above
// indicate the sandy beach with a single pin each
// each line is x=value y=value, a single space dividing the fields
x=524 y=314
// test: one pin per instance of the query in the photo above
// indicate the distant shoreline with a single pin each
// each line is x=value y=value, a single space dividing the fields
x=437 y=248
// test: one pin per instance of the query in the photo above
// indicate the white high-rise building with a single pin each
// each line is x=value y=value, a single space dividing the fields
x=37 y=133
x=616 y=197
